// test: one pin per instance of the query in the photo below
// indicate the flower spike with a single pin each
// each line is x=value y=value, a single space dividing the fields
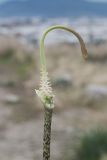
x=45 y=91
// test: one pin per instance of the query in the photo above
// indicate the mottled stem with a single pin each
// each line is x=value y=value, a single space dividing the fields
x=47 y=133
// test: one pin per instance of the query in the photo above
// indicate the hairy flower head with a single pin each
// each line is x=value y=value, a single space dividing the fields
x=45 y=91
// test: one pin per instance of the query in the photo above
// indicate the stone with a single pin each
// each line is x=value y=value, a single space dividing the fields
x=64 y=81
x=11 y=98
x=97 y=91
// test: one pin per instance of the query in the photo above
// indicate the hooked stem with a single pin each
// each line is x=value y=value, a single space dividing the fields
x=45 y=92
x=42 y=50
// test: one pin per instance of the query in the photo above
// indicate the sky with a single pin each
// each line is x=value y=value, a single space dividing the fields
x=99 y=1
x=2 y=1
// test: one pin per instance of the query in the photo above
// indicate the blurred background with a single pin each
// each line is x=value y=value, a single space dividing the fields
x=80 y=87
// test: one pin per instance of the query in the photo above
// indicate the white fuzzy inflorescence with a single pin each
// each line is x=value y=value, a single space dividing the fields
x=45 y=85
x=45 y=91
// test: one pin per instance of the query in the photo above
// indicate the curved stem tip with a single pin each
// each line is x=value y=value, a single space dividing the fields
x=42 y=50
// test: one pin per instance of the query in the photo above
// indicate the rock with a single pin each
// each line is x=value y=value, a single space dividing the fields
x=97 y=91
x=11 y=98
x=7 y=83
x=63 y=81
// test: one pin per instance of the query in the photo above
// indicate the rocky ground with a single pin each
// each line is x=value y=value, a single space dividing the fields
x=81 y=99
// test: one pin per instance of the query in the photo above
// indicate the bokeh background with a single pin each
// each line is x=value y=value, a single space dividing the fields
x=80 y=87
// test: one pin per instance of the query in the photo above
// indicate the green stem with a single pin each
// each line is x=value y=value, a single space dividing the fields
x=42 y=54
x=47 y=133
x=48 y=110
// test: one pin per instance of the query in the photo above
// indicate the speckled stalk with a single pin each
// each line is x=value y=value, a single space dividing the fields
x=47 y=133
